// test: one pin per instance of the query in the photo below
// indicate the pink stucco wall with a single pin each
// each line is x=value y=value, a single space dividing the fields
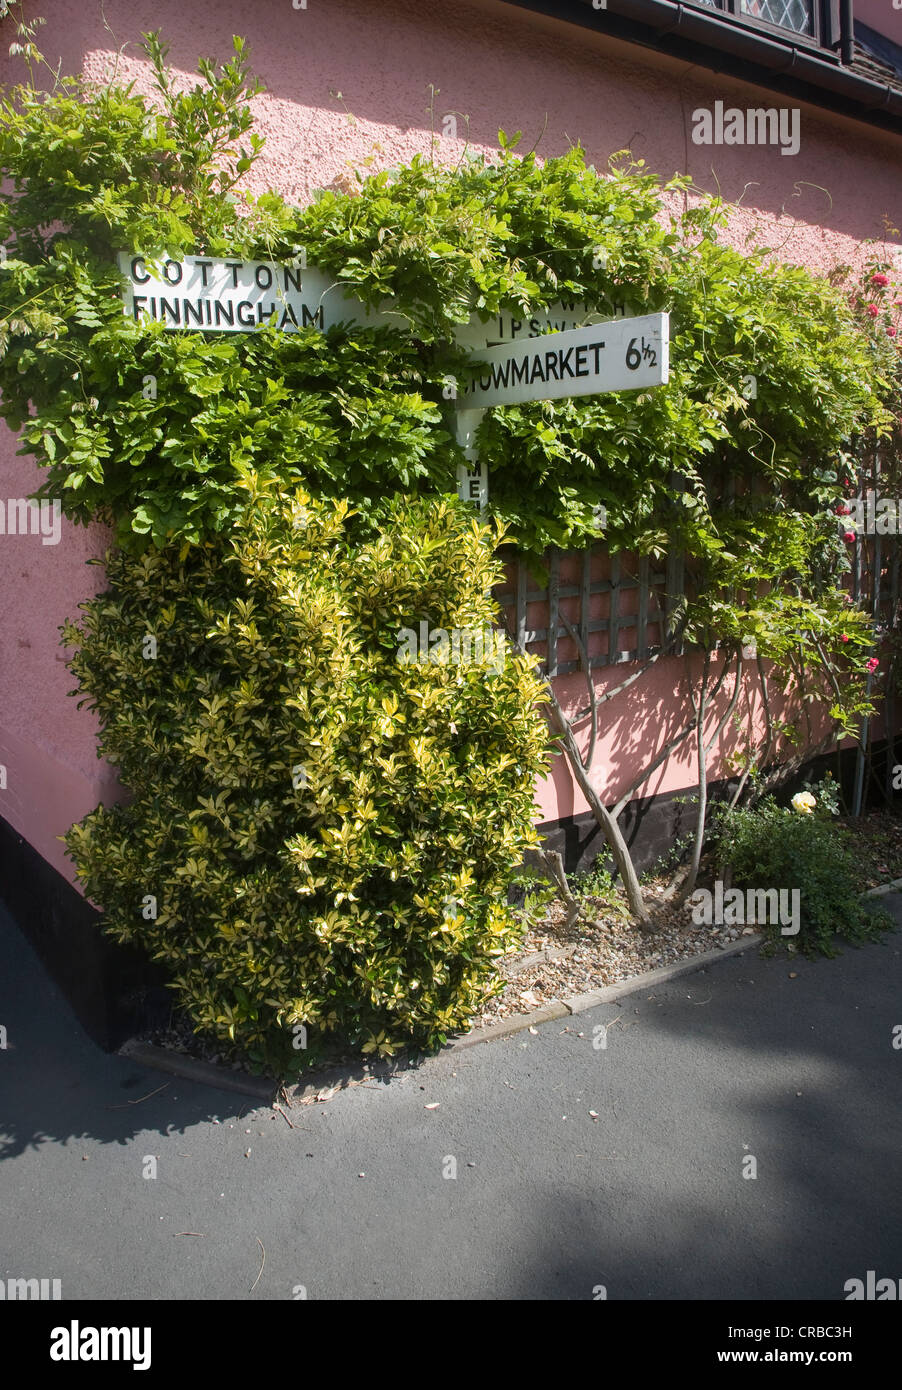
x=501 y=67
x=881 y=15
x=636 y=725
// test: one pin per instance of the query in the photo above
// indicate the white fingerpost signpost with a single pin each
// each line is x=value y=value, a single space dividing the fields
x=211 y=294
x=623 y=354
x=472 y=476
x=560 y=351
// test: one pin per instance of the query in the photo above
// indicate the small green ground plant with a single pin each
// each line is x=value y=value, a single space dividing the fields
x=774 y=846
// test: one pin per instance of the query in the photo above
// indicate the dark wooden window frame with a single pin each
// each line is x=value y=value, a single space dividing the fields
x=825 y=29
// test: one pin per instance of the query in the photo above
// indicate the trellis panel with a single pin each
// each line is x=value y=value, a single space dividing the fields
x=600 y=581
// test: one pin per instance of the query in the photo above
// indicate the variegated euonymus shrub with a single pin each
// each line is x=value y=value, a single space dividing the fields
x=322 y=829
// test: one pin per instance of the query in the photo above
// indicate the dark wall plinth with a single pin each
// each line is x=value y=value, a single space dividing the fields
x=111 y=988
x=653 y=824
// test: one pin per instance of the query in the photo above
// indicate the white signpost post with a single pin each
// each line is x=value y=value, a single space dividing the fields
x=563 y=350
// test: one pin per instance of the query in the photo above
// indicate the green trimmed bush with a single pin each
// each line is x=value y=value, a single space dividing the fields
x=321 y=831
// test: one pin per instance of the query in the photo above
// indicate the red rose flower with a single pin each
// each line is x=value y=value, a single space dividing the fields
x=873 y=310
x=844 y=638
x=873 y=663
x=849 y=537
x=879 y=279
x=891 y=332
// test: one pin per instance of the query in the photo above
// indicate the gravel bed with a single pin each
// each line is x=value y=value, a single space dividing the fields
x=601 y=949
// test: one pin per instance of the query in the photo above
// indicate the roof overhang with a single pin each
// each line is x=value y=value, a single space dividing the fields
x=715 y=41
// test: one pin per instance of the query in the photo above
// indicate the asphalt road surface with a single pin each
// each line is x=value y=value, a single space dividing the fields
x=649 y=1197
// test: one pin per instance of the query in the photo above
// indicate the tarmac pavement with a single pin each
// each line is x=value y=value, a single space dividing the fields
x=580 y=1168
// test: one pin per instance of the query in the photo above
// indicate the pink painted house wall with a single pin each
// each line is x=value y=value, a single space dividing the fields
x=349 y=82
x=881 y=15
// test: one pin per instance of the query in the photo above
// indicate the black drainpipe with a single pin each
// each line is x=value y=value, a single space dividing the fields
x=846 y=32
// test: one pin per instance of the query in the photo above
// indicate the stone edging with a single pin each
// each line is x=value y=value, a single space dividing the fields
x=204 y=1073
x=224 y=1078
x=577 y=1003
x=892 y=887
x=266 y=1092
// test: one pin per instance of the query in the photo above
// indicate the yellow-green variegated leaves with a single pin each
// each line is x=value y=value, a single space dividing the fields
x=321 y=833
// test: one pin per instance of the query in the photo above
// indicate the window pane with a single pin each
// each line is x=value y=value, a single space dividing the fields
x=788 y=14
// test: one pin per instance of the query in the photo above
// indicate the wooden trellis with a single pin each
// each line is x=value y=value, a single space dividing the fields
x=603 y=583
x=876 y=558
x=588 y=603
x=876 y=567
